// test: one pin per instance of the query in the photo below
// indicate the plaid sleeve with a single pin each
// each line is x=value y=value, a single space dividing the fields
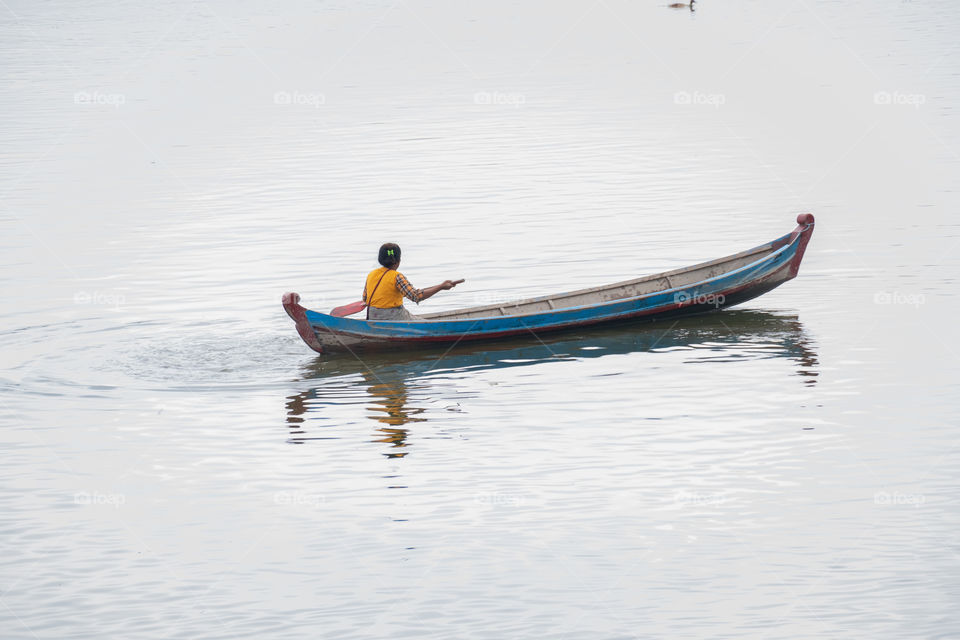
x=407 y=290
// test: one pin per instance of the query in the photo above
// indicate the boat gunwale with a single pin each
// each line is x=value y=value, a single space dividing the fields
x=790 y=239
x=403 y=339
x=771 y=247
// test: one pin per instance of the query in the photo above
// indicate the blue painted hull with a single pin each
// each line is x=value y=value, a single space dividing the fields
x=325 y=333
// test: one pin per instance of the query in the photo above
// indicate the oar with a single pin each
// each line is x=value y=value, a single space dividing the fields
x=349 y=309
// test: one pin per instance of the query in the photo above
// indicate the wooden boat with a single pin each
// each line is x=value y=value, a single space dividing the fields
x=703 y=287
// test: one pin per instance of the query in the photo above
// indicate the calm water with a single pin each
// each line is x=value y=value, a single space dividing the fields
x=178 y=464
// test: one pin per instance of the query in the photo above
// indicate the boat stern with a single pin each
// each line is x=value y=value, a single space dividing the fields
x=291 y=304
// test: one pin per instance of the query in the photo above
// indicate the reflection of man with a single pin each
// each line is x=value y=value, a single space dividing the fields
x=390 y=407
x=389 y=404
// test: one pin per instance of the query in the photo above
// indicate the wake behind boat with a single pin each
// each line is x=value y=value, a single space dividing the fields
x=703 y=287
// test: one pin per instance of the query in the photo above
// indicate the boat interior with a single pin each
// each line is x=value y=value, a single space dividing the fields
x=617 y=291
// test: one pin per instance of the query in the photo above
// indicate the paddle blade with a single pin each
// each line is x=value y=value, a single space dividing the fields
x=349 y=309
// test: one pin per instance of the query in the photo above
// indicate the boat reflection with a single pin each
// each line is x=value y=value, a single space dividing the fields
x=389 y=377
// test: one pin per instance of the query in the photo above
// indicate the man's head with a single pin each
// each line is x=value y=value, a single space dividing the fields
x=389 y=255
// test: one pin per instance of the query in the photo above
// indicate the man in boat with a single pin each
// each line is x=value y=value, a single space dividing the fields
x=388 y=287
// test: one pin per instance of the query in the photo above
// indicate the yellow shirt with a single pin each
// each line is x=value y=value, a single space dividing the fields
x=387 y=294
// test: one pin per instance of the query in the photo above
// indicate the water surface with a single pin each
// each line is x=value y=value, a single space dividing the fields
x=178 y=464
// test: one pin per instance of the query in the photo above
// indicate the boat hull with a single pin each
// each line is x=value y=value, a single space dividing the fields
x=698 y=289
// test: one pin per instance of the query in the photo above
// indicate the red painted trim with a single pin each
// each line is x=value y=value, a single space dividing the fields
x=291 y=304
